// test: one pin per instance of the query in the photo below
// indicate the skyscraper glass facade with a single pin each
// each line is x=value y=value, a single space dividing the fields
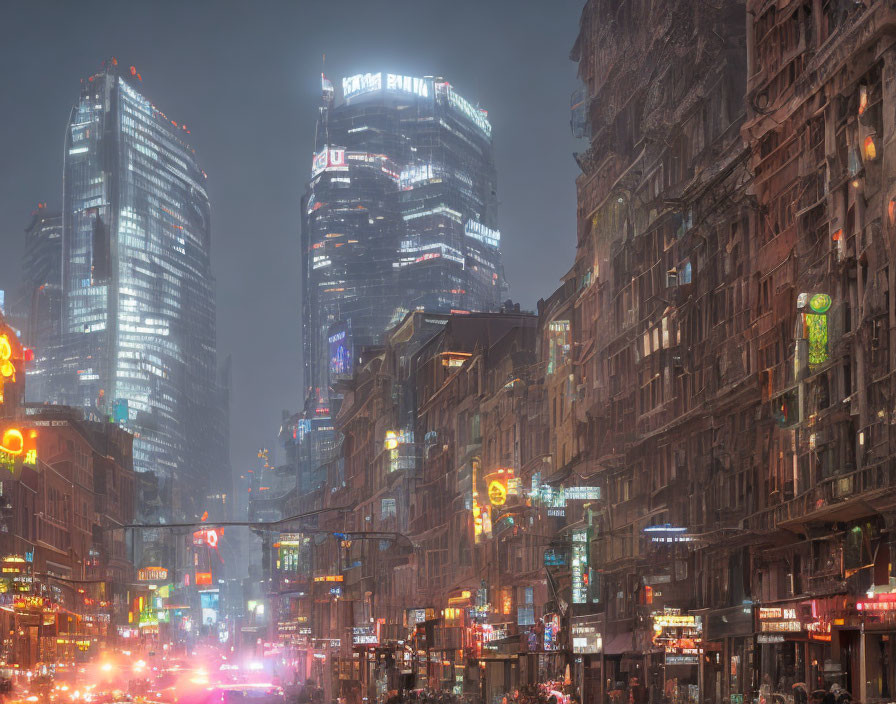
x=138 y=314
x=400 y=214
x=38 y=305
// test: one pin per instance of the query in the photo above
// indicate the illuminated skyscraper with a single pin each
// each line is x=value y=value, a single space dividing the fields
x=400 y=214
x=138 y=312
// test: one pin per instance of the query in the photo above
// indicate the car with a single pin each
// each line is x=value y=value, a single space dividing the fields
x=261 y=693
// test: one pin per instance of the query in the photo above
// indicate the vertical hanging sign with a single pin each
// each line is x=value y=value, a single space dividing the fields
x=579 y=566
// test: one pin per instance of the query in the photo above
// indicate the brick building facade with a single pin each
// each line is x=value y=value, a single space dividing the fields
x=681 y=468
x=68 y=489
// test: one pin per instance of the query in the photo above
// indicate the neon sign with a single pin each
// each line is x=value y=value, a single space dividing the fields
x=776 y=619
x=459 y=103
x=774 y=612
x=580 y=567
x=13 y=442
x=208 y=537
x=484 y=234
x=7 y=369
x=16 y=443
x=781 y=626
x=152 y=574
x=326 y=159
x=391 y=441
x=876 y=606
x=497 y=493
x=675 y=621
x=408 y=84
x=361 y=83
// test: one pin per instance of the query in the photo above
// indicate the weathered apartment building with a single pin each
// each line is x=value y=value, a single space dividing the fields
x=731 y=342
x=68 y=488
x=681 y=469
x=424 y=566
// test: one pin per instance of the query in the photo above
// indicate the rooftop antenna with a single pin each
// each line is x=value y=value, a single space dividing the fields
x=327 y=96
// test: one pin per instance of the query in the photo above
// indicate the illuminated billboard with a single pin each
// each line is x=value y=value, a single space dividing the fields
x=408 y=84
x=206 y=536
x=328 y=158
x=463 y=106
x=152 y=574
x=579 y=570
x=362 y=83
x=18 y=446
x=586 y=636
x=208 y=600
x=340 y=350
x=484 y=234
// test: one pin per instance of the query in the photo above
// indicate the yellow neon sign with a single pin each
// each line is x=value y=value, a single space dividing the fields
x=13 y=442
x=391 y=441
x=7 y=370
x=497 y=493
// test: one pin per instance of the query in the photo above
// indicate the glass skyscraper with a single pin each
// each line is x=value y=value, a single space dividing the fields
x=39 y=302
x=138 y=311
x=400 y=214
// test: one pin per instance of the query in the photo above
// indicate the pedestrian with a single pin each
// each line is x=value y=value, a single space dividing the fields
x=637 y=692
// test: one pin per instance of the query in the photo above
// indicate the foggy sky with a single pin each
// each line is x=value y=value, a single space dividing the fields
x=245 y=78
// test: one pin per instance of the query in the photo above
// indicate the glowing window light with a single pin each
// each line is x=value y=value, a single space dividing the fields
x=870 y=149
x=391 y=441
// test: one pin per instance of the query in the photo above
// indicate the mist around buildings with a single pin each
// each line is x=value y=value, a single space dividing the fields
x=669 y=481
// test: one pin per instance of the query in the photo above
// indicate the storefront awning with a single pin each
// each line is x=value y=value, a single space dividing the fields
x=735 y=621
x=618 y=644
x=502 y=646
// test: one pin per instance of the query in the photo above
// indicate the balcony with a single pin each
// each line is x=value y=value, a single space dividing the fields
x=839 y=498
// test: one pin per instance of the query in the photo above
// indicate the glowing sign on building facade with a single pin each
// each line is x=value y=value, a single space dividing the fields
x=328 y=158
x=408 y=84
x=497 y=493
x=484 y=234
x=580 y=567
x=353 y=86
x=361 y=83
x=152 y=574
x=462 y=105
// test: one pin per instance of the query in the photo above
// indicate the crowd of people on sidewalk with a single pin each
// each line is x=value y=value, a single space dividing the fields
x=634 y=693
x=800 y=694
x=540 y=694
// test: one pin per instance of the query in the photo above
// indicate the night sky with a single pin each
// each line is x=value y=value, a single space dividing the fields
x=245 y=78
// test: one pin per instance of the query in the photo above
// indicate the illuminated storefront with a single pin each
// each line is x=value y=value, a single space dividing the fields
x=794 y=641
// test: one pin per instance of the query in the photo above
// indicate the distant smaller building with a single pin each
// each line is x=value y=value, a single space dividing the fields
x=37 y=311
